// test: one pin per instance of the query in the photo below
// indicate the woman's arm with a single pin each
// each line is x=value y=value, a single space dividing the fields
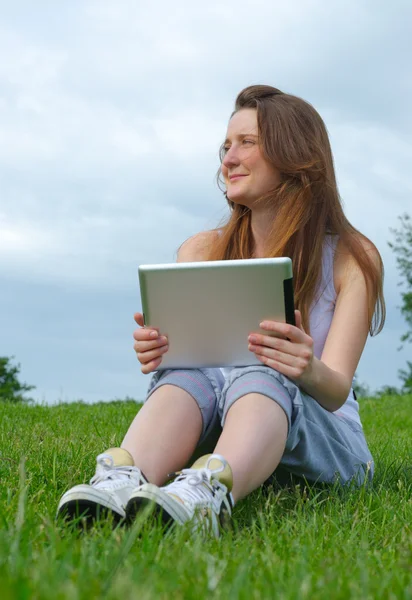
x=329 y=379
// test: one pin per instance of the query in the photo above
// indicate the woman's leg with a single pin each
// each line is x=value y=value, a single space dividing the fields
x=164 y=433
x=266 y=421
x=320 y=446
x=256 y=413
x=248 y=451
x=253 y=441
x=180 y=411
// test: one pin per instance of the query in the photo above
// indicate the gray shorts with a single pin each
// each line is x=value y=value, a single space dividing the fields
x=321 y=446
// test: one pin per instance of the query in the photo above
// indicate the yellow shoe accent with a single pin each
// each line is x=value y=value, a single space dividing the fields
x=225 y=476
x=120 y=456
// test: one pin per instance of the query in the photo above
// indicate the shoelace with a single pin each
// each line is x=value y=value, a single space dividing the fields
x=193 y=485
x=106 y=470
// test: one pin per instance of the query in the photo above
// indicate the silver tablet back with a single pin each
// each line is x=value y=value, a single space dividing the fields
x=208 y=309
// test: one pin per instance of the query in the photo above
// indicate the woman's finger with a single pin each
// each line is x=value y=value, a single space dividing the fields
x=280 y=357
x=284 y=330
x=138 y=317
x=145 y=346
x=144 y=334
x=291 y=372
x=269 y=341
x=146 y=357
x=152 y=366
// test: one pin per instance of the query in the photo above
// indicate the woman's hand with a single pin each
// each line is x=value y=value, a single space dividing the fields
x=293 y=356
x=149 y=346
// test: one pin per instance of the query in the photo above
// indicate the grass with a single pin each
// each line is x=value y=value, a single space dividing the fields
x=353 y=543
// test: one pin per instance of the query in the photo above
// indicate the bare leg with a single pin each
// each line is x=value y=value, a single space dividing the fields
x=164 y=433
x=253 y=441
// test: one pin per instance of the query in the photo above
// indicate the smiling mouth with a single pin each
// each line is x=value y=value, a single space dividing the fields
x=233 y=177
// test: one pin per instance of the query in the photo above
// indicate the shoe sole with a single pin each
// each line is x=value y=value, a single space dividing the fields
x=138 y=505
x=75 y=506
x=163 y=507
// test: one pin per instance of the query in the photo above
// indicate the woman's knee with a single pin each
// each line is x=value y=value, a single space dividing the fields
x=202 y=386
x=255 y=381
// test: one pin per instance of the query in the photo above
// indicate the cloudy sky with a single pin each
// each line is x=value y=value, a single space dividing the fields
x=111 y=115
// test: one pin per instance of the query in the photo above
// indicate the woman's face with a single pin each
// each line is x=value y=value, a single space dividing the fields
x=248 y=175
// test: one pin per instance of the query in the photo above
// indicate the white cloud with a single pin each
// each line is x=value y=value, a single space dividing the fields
x=29 y=65
x=111 y=115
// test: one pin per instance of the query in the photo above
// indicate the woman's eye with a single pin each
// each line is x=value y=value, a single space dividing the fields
x=248 y=142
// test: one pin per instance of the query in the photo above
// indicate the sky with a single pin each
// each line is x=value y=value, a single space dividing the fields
x=111 y=116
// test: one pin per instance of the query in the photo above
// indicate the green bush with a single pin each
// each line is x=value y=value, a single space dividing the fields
x=11 y=390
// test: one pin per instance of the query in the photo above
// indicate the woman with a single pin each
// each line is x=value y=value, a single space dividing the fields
x=296 y=411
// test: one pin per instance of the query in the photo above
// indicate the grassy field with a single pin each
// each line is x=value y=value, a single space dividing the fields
x=285 y=544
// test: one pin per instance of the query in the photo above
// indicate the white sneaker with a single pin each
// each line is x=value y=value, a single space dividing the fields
x=200 y=494
x=109 y=489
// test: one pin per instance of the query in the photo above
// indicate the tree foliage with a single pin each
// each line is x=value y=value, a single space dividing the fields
x=388 y=390
x=362 y=390
x=406 y=378
x=11 y=389
x=402 y=246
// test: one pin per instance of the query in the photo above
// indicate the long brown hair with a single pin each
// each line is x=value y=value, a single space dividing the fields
x=294 y=139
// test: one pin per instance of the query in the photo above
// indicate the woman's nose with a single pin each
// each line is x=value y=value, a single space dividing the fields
x=231 y=158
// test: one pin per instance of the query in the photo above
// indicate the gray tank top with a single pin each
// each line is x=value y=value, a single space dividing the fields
x=320 y=318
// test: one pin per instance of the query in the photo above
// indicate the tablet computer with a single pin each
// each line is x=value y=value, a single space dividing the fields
x=208 y=309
